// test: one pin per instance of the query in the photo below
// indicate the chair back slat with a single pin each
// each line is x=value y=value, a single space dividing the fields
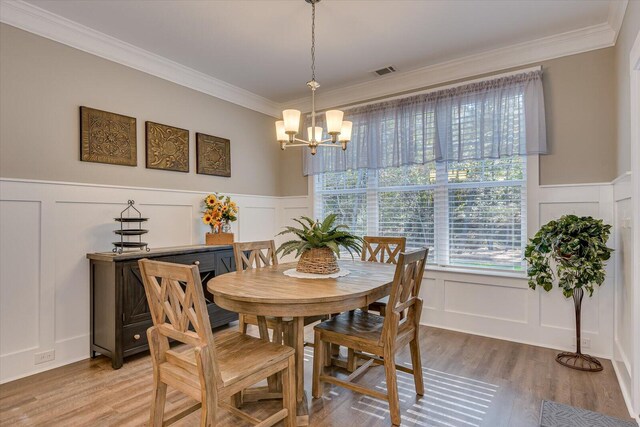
x=405 y=292
x=176 y=301
x=260 y=254
x=382 y=249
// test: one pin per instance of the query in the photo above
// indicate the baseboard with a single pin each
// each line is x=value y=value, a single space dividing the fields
x=625 y=393
x=510 y=339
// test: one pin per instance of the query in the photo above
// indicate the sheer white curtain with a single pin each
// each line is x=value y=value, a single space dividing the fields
x=486 y=120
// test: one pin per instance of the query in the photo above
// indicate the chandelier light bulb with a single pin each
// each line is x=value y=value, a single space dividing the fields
x=318 y=134
x=281 y=135
x=345 y=132
x=291 y=121
x=334 y=121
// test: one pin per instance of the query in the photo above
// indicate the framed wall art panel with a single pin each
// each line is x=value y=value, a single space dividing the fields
x=107 y=137
x=213 y=155
x=167 y=147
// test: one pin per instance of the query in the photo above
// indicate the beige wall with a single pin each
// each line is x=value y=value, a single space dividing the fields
x=42 y=84
x=626 y=38
x=580 y=112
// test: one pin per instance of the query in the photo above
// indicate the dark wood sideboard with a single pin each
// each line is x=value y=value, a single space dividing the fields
x=119 y=312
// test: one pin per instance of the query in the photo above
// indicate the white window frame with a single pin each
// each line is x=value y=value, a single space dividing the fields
x=532 y=215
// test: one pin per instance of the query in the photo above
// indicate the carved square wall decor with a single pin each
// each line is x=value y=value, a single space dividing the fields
x=213 y=155
x=167 y=147
x=107 y=137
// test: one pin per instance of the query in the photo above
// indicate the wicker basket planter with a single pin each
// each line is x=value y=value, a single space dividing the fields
x=318 y=261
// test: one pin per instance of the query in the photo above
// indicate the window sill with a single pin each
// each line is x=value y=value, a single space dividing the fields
x=477 y=271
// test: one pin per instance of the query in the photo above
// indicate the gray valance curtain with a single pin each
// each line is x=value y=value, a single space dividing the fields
x=485 y=120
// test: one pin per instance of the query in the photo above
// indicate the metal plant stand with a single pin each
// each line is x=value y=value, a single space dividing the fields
x=128 y=235
x=577 y=360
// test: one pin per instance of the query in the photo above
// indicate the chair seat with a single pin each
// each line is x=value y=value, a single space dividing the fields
x=238 y=356
x=357 y=325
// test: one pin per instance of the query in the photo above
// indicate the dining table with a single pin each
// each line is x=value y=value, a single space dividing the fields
x=272 y=296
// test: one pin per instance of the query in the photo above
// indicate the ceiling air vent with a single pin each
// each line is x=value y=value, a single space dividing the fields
x=385 y=70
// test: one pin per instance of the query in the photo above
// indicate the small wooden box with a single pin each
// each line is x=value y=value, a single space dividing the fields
x=213 y=239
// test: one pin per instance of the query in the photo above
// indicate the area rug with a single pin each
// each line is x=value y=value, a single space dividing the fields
x=554 y=414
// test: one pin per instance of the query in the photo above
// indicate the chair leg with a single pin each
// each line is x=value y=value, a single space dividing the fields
x=352 y=360
x=158 y=400
x=416 y=362
x=242 y=326
x=157 y=347
x=318 y=362
x=392 y=388
x=208 y=393
x=289 y=392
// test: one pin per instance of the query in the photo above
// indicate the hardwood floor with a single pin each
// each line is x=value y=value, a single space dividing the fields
x=469 y=381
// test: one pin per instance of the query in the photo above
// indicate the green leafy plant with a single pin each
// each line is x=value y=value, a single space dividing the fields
x=316 y=234
x=576 y=247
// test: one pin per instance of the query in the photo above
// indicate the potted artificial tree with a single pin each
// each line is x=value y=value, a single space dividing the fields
x=574 y=250
x=318 y=244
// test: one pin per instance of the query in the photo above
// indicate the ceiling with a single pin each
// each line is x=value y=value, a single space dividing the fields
x=263 y=46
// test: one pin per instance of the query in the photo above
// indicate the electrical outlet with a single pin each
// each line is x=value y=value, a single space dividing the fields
x=45 y=356
x=585 y=342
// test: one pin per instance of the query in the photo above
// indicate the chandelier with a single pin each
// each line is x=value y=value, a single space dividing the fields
x=338 y=129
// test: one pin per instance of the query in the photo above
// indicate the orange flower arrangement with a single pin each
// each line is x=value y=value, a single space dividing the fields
x=218 y=209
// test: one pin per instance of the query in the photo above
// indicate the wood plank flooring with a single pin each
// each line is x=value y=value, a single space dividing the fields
x=470 y=381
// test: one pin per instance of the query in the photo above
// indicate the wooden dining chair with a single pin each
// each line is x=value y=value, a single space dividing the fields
x=256 y=255
x=382 y=249
x=208 y=370
x=378 y=338
x=378 y=249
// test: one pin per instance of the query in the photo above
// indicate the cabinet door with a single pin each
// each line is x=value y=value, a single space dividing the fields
x=134 y=299
x=225 y=262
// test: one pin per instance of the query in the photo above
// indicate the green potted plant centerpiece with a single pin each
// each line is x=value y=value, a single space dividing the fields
x=572 y=250
x=318 y=243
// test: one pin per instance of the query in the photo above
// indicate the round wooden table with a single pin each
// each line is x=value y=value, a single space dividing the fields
x=268 y=292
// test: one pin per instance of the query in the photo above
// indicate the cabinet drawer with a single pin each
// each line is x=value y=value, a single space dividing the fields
x=135 y=335
x=206 y=261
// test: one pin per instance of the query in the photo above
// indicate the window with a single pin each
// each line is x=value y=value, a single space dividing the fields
x=470 y=213
x=446 y=169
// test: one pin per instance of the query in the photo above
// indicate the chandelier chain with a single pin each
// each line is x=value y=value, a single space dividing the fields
x=313 y=40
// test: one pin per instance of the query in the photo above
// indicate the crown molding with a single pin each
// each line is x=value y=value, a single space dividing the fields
x=35 y=20
x=617 y=10
x=531 y=52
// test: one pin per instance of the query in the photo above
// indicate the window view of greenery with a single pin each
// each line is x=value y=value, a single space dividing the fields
x=470 y=213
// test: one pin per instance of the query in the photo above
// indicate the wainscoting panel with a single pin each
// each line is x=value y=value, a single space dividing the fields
x=623 y=303
x=47 y=229
x=19 y=275
x=485 y=301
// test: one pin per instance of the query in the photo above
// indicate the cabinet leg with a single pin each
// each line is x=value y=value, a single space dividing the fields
x=117 y=362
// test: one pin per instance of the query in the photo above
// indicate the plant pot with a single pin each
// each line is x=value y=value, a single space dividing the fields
x=318 y=261
x=213 y=239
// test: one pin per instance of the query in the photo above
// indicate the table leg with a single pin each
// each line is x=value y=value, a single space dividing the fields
x=298 y=345
x=295 y=338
